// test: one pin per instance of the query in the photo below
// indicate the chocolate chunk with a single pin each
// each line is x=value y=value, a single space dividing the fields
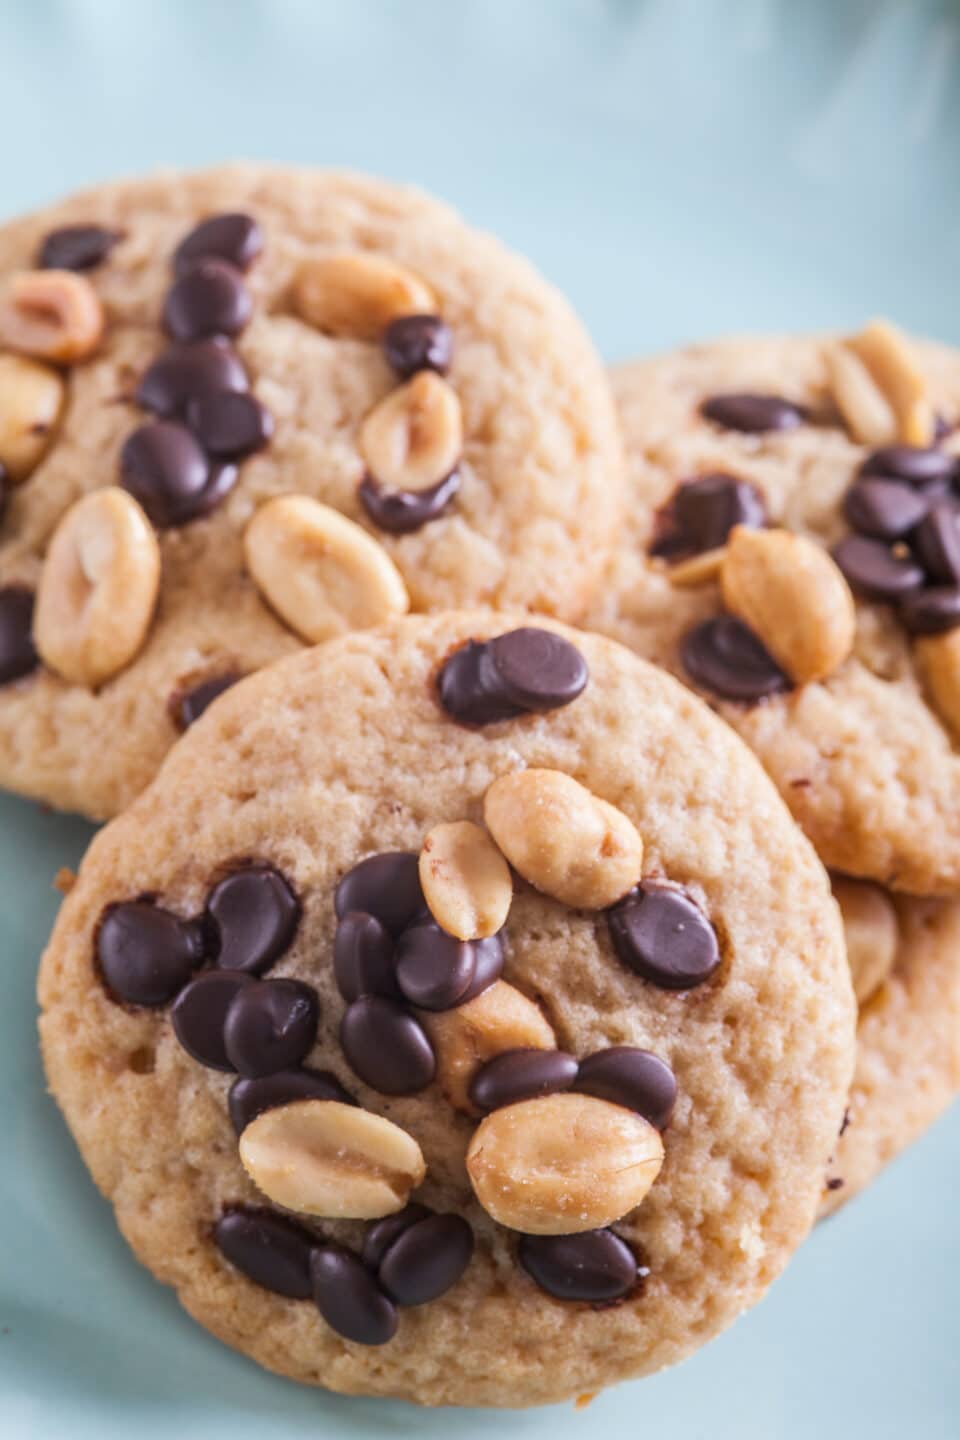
x=635 y=1078
x=76 y=247
x=270 y=1249
x=707 y=509
x=936 y=543
x=434 y=970
x=200 y=1011
x=884 y=509
x=186 y=706
x=349 y=1298
x=386 y=1046
x=382 y=1233
x=363 y=958
x=386 y=886
x=521 y=672
x=663 y=935
x=595 y=1265
x=209 y=298
x=401 y=511
x=920 y=465
x=520 y=1075
x=234 y=237
x=725 y=656
x=17 y=653
x=254 y=914
x=418 y=342
x=427 y=1259
x=753 y=413
x=875 y=570
x=191 y=372
x=164 y=467
x=931 y=611
x=230 y=424
x=146 y=954
x=250 y=1098
x=271 y=1025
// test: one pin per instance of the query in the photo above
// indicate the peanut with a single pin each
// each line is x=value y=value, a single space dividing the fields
x=871 y=931
x=357 y=294
x=413 y=439
x=700 y=569
x=31 y=398
x=51 y=315
x=465 y=880
x=866 y=411
x=500 y=1018
x=886 y=353
x=938 y=657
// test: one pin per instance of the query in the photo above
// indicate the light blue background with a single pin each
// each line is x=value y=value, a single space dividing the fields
x=680 y=168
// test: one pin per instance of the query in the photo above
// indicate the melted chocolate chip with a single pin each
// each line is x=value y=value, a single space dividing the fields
x=232 y=236
x=426 y=1259
x=186 y=706
x=418 y=342
x=753 y=414
x=349 y=1298
x=435 y=971
x=76 y=247
x=271 y=1025
x=635 y=1078
x=920 y=465
x=250 y=1098
x=936 y=543
x=270 y=1249
x=363 y=958
x=200 y=1011
x=386 y=1046
x=705 y=510
x=254 y=914
x=884 y=509
x=521 y=672
x=146 y=954
x=874 y=570
x=163 y=467
x=382 y=1233
x=17 y=653
x=230 y=424
x=664 y=936
x=521 y=1075
x=399 y=512
x=595 y=1265
x=191 y=372
x=725 y=656
x=931 y=611
x=210 y=298
x=386 y=886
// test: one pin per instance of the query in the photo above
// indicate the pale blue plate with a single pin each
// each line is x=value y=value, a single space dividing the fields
x=681 y=169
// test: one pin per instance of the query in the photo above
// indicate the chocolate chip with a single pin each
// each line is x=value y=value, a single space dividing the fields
x=270 y=1249
x=386 y=886
x=250 y=1098
x=401 y=511
x=725 y=656
x=434 y=970
x=164 y=467
x=884 y=509
x=76 y=247
x=936 y=543
x=363 y=957
x=875 y=570
x=595 y=1265
x=707 y=509
x=254 y=914
x=186 y=706
x=931 y=611
x=753 y=413
x=210 y=298
x=523 y=671
x=635 y=1078
x=147 y=954
x=418 y=342
x=487 y=966
x=270 y=1026
x=230 y=424
x=349 y=1298
x=232 y=236
x=520 y=1075
x=382 y=1233
x=427 y=1259
x=920 y=465
x=17 y=653
x=200 y=1011
x=663 y=935
x=386 y=1046
x=191 y=372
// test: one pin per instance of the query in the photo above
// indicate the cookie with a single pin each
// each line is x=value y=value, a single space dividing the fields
x=487 y=1041
x=181 y=355
x=801 y=568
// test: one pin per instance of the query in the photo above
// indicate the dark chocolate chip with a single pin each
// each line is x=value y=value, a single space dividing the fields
x=725 y=656
x=835 y=1184
x=349 y=1298
x=255 y=915
x=250 y=1098
x=363 y=958
x=707 y=509
x=873 y=569
x=401 y=511
x=487 y=966
x=385 y=885
x=884 y=509
x=523 y=671
x=663 y=935
x=230 y=424
x=146 y=954
x=386 y=1046
x=595 y=1265
x=382 y=1233
x=942 y=427
x=191 y=372
x=936 y=543
x=270 y=1026
x=76 y=247
x=200 y=1012
x=164 y=467
x=186 y=706
x=418 y=342
x=270 y=1249
x=470 y=689
x=931 y=611
x=920 y=465
x=753 y=413
x=434 y=970
x=210 y=298
x=234 y=237
x=638 y=1079
x=521 y=1075
x=427 y=1259
x=17 y=653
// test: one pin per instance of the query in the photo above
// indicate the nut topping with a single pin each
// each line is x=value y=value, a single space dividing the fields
x=51 y=315
x=31 y=397
x=358 y=294
x=499 y=1019
x=465 y=880
x=871 y=931
x=939 y=659
x=413 y=439
x=890 y=400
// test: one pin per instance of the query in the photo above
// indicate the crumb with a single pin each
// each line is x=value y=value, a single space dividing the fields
x=64 y=880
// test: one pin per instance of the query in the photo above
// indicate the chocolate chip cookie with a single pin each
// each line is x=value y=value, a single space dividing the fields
x=458 y=1016
x=253 y=408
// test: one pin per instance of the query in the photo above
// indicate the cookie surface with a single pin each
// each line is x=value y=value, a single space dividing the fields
x=865 y=755
x=524 y=521
x=344 y=753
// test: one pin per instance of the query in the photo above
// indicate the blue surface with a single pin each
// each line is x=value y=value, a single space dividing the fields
x=681 y=168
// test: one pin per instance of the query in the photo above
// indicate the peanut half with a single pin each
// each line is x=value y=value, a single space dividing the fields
x=98 y=588
x=866 y=411
x=31 y=398
x=871 y=931
x=698 y=570
x=938 y=657
x=564 y=840
x=322 y=1157
x=465 y=880
x=319 y=571
x=563 y=1163
x=413 y=439
x=51 y=315
x=500 y=1018
x=891 y=401
x=357 y=294
x=792 y=594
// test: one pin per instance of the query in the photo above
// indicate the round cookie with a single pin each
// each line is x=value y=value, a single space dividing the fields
x=864 y=749
x=674 y=1069
x=490 y=475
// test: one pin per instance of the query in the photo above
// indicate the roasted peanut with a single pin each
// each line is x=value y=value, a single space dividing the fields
x=700 y=569
x=562 y=1163
x=465 y=880
x=871 y=931
x=413 y=439
x=98 y=588
x=357 y=294
x=319 y=571
x=887 y=355
x=866 y=411
x=31 y=397
x=51 y=315
x=500 y=1018
x=938 y=657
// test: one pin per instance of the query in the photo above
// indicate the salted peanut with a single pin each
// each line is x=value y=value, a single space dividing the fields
x=51 y=315
x=698 y=570
x=866 y=411
x=792 y=594
x=465 y=880
x=322 y=1157
x=871 y=931
x=887 y=355
x=31 y=398
x=319 y=571
x=413 y=439
x=356 y=294
x=500 y=1018
x=98 y=588
x=563 y=1163
x=563 y=839
x=938 y=657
